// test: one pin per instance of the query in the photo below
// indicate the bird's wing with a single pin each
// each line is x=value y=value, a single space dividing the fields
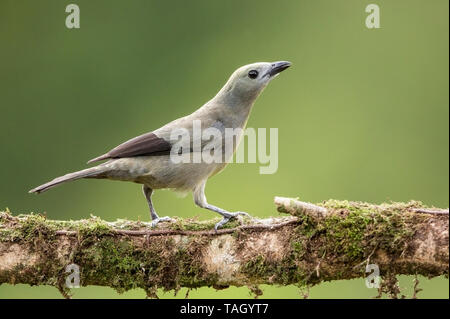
x=158 y=141
x=143 y=145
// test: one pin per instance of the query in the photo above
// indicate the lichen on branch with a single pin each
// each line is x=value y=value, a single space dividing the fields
x=333 y=240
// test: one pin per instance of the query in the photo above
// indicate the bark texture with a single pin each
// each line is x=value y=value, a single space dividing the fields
x=333 y=240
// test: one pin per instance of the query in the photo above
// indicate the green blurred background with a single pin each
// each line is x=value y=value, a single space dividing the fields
x=362 y=114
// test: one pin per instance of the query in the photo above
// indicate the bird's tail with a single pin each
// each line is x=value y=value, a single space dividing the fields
x=89 y=172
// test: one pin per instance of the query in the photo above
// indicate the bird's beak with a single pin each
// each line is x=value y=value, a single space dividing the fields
x=277 y=67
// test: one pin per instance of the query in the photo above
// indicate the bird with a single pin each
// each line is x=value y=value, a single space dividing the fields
x=148 y=159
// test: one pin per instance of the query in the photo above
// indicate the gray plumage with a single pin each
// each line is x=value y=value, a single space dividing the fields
x=146 y=159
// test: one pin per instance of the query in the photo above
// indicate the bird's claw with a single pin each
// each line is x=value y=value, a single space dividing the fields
x=227 y=217
x=160 y=219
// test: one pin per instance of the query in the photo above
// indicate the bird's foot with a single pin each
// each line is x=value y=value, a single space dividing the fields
x=227 y=217
x=160 y=219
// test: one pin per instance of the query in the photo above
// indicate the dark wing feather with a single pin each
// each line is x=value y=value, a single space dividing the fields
x=143 y=145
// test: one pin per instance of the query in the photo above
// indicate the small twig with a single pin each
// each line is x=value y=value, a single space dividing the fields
x=255 y=290
x=162 y=232
x=416 y=288
x=297 y=208
x=367 y=259
x=64 y=293
x=318 y=265
x=430 y=211
x=317 y=268
x=151 y=293
x=305 y=294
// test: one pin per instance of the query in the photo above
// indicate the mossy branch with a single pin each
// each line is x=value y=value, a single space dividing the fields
x=333 y=240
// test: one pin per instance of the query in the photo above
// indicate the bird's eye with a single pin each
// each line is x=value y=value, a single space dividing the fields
x=253 y=74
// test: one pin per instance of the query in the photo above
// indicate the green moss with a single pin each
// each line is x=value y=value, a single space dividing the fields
x=345 y=235
x=307 y=226
x=112 y=262
x=191 y=272
x=122 y=265
x=349 y=234
x=93 y=226
x=298 y=249
x=284 y=272
x=354 y=229
x=26 y=229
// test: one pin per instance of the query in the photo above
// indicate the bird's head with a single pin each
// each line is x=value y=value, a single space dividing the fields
x=248 y=81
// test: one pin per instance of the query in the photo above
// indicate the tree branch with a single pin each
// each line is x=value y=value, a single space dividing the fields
x=333 y=240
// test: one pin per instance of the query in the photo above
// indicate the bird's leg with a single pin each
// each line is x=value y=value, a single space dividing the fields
x=200 y=200
x=155 y=218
